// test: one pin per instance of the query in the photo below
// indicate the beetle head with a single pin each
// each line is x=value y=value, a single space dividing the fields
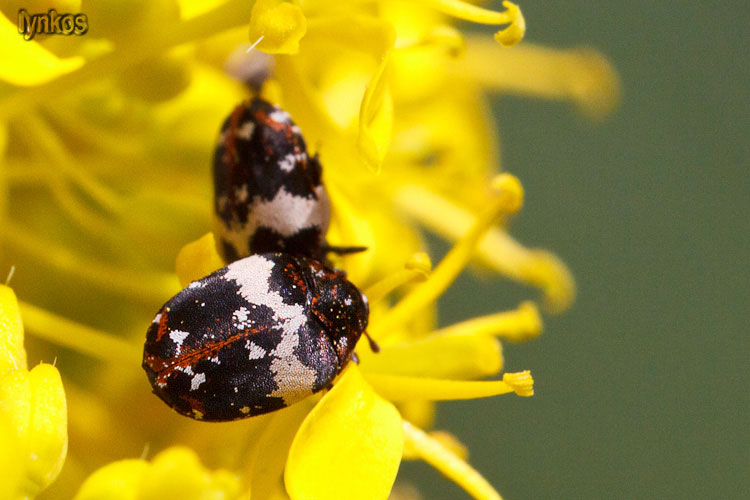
x=340 y=306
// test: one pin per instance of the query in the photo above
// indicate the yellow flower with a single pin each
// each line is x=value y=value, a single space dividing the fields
x=105 y=141
x=353 y=430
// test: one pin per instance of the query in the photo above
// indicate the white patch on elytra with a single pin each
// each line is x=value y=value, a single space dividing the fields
x=197 y=380
x=178 y=336
x=241 y=319
x=280 y=116
x=187 y=370
x=246 y=130
x=253 y=274
x=288 y=162
x=254 y=351
x=287 y=214
x=293 y=379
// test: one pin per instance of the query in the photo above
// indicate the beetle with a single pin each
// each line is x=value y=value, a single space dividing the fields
x=268 y=195
x=255 y=336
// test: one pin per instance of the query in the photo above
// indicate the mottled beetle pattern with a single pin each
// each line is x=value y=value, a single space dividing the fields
x=255 y=336
x=268 y=195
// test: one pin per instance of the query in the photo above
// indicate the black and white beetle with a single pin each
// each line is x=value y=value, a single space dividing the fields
x=255 y=336
x=277 y=324
x=268 y=195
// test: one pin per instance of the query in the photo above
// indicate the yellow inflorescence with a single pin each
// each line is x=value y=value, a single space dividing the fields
x=105 y=142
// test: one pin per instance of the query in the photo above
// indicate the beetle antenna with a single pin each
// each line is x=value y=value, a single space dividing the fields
x=343 y=250
x=374 y=347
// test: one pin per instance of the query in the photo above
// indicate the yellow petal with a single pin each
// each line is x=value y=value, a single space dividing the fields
x=174 y=474
x=198 y=259
x=459 y=356
x=15 y=403
x=27 y=63
x=376 y=118
x=271 y=448
x=399 y=388
x=177 y=473
x=48 y=428
x=278 y=26
x=116 y=481
x=349 y=446
x=12 y=352
x=11 y=460
x=32 y=403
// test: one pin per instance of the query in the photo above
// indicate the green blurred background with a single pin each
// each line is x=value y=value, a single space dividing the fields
x=641 y=388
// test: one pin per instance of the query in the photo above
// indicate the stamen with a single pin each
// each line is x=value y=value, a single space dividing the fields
x=11 y=272
x=521 y=324
x=441 y=36
x=146 y=287
x=416 y=269
x=448 y=463
x=112 y=142
x=468 y=12
x=522 y=383
x=497 y=249
x=35 y=172
x=79 y=214
x=82 y=338
x=582 y=75
x=452 y=356
x=400 y=388
x=45 y=139
x=448 y=440
x=508 y=201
